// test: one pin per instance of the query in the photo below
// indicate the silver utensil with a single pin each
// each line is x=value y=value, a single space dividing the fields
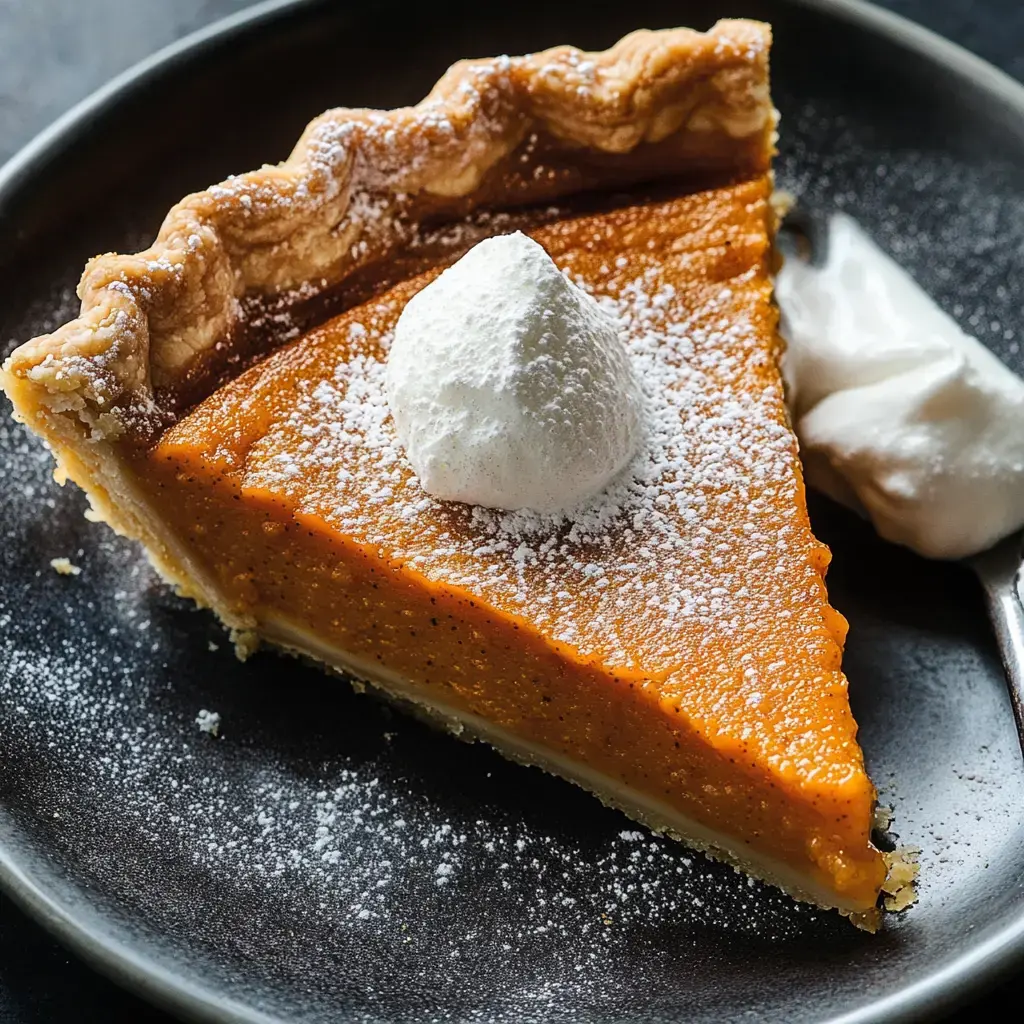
x=1000 y=569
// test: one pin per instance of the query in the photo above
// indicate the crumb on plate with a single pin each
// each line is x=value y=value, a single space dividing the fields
x=208 y=721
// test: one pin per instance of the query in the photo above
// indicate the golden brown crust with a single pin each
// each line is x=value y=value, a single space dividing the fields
x=495 y=132
x=899 y=890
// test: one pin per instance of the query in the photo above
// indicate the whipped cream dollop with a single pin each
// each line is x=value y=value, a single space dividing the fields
x=509 y=386
x=898 y=411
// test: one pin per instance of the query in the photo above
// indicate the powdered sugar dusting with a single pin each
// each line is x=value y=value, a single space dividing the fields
x=319 y=824
x=715 y=443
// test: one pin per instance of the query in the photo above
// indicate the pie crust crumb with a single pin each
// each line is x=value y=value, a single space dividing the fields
x=246 y=641
x=899 y=889
x=65 y=567
x=883 y=818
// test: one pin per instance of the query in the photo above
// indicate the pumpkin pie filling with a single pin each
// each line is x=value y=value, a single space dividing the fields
x=670 y=647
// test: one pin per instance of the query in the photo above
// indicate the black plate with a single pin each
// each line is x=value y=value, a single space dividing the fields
x=326 y=859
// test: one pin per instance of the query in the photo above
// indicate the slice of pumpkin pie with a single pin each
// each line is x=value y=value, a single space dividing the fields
x=665 y=641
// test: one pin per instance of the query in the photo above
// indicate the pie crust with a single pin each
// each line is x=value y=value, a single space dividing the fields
x=498 y=132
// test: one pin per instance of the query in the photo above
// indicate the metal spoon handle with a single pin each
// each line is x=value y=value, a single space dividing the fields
x=999 y=570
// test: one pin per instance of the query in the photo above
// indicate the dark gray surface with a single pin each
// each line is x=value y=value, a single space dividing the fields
x=51 y=53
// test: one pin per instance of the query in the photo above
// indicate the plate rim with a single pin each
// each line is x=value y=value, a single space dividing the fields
x=84 y=932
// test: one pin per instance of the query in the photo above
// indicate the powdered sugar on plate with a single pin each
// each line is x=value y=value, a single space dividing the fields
x=320 y=824
x=208 y=722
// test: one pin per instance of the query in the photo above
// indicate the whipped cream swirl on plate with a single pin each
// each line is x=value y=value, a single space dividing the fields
x=899 y=412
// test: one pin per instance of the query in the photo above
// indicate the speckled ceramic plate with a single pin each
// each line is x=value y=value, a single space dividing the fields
x=328 y=860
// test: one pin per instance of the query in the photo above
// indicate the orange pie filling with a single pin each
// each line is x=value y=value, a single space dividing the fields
x=673 y=646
